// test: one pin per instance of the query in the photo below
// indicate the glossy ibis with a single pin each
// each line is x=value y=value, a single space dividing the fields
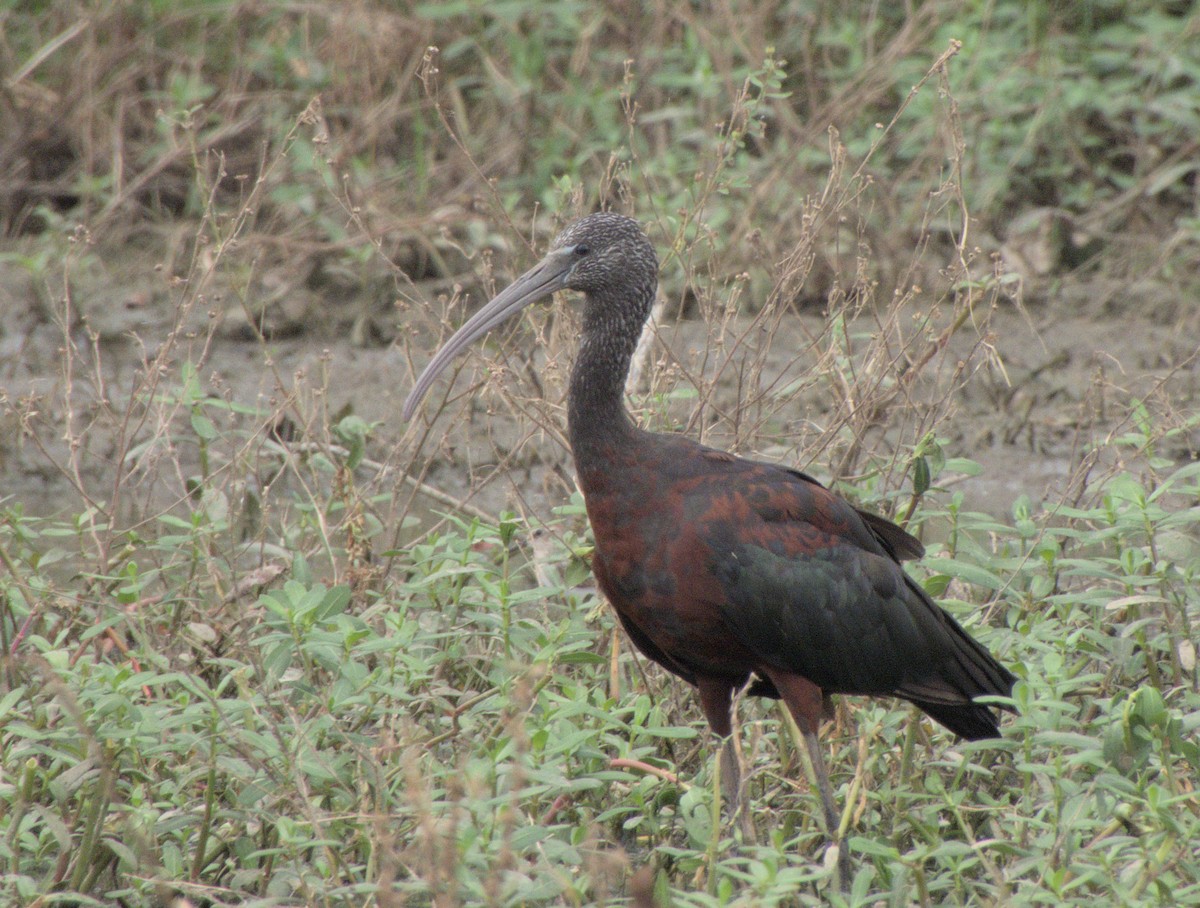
x=725 y=571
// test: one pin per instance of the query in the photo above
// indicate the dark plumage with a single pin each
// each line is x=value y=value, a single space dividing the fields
x=724 y=570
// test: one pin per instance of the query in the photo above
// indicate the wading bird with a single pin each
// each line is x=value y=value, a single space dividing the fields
x=729 y=572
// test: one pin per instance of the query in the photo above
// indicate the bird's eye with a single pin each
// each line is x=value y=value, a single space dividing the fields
x=582 y=249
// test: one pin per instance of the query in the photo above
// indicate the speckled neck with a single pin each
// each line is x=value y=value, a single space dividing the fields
x=597 y=421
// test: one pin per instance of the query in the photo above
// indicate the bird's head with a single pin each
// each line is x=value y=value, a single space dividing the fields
x=604 y=255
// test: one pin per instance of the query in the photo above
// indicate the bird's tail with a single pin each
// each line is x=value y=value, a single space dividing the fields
x=972 y=721
x=970 y=671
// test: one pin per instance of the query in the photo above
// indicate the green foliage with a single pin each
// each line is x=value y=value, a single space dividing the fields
x=1067 y=106
x=456 y=730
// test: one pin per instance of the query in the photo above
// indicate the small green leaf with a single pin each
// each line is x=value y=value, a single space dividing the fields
x=921 y=477
x=203 y=426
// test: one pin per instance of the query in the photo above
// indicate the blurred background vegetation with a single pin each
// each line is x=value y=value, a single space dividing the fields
x=251 y=655
x=439 y=121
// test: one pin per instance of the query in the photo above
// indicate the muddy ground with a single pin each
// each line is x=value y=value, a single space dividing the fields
x=1075 y=351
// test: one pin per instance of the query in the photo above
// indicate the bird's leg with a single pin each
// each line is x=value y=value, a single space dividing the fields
x=806 y=704
x=731 y=785
x=832 y=821
x=716 y=699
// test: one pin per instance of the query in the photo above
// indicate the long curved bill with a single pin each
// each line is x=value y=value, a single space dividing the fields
x=537 y=283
